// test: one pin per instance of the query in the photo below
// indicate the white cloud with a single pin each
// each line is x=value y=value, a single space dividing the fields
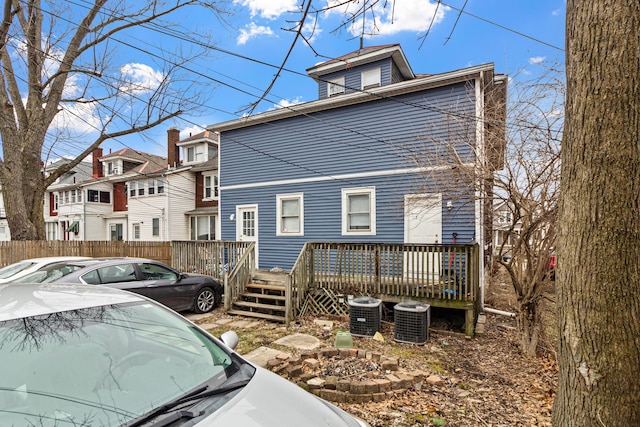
x=537 y=60
x=284 y=103
x=311 y=29
x=139 y=78
x=251 y=31
x=78 y=118
x=393 y=17
x=269 y=9
x=191 y=130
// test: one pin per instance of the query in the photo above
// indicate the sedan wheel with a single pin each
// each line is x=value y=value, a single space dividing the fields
x=205 y=300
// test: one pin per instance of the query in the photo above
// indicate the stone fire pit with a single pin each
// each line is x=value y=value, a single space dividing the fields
x=349 y=375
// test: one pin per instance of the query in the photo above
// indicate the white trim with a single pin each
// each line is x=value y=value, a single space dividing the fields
x=336 y=86
x=371 y=74
x=346 y=192
x=340 y=177
x=279 y=199
x=395 y=89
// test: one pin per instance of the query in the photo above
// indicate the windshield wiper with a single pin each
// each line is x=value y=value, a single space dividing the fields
x=197 y=394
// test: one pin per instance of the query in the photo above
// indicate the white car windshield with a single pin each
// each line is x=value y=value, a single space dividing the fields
x=102 y=366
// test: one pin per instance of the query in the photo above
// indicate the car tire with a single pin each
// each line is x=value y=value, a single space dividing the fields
x=206 y=300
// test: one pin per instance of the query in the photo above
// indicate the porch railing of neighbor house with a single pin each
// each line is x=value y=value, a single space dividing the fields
x=446 y=275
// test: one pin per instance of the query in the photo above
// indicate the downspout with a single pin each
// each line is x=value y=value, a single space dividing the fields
x=480 y=105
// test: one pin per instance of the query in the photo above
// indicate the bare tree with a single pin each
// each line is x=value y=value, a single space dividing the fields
x=518 y=169
x=59 y=65
x=599 y=215
x=528 y=189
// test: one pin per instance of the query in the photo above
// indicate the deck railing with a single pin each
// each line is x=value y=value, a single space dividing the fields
x=211 y=257
x=239 y=275
x=437 y=271
x=297 y=283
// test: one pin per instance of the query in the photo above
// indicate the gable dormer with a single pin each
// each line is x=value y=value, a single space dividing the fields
x=362 y=70
x=199 y=148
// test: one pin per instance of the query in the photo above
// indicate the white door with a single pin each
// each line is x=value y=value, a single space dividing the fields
x=422 y=224
x=247 y=225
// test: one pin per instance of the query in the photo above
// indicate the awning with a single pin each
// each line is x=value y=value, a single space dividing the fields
x=74 y=227
x=209 y=210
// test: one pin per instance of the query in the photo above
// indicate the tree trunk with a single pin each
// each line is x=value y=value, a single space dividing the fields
x=530 y=326
x=23 y=190
x=598 y=277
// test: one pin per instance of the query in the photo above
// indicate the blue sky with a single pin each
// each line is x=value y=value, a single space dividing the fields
x=515 y=35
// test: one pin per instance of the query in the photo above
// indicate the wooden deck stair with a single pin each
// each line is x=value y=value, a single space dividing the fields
x=263 y=298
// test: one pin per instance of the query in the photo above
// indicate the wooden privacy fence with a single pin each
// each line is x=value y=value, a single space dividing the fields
x=207 y=257
x=14 y=251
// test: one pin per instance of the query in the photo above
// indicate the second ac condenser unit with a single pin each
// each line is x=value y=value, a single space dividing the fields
x=411 y=320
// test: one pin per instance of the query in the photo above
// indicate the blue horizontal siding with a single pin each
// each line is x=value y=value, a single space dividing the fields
x=353 y=79
x=323 y=214
x=374 y=136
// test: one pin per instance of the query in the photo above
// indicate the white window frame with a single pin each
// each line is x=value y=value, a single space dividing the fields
x=135 y=231
x=335 y=86
x=212 y=187
x=155 y=227
x=133 y=189
x=212 y=225
x=194 y=154
x=346 y=194
x=371 y=78
x=279 y=215
x=113 y=168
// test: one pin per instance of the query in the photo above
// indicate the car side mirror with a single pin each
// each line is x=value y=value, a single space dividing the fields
x=230 y=338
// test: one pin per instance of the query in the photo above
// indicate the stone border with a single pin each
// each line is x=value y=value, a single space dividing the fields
x=300 y=369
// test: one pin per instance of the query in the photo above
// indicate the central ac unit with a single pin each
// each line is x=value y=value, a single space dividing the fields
x=411 y=320
x=365 y=316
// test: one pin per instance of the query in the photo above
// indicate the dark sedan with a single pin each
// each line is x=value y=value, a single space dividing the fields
x=179 y=291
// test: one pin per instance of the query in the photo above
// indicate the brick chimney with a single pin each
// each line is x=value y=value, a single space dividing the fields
x=97 y=166
x=173 y=154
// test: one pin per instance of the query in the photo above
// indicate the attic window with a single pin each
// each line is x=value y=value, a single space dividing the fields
x=370 y=78
x=335 y=86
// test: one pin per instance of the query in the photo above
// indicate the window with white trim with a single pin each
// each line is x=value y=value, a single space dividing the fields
x=290 y=214
x=370 y=78
x=210 y=187
x=155 y=226
x=136 y=231
x=203 y=227
x=335 y=86
x=151 y=185
x=359 y=211
x=113 y=168
x=132 y=189
x=195 y=154
x=160 y=185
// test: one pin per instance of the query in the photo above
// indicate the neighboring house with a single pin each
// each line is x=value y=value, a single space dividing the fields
x=179 y=202
x=89 y=202
x=505 y=231
x=337 y=169
x=131 y=195
x=65 y=204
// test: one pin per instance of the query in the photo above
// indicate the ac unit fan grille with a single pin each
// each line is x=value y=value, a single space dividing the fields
x=411 y=327
x=364 y=318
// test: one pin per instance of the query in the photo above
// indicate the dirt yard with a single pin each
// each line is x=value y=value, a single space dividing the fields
x=482 y=381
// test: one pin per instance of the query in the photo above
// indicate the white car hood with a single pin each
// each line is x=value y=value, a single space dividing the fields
x=271 y=401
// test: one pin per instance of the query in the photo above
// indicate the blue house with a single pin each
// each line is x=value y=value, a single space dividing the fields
x=345 y=168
